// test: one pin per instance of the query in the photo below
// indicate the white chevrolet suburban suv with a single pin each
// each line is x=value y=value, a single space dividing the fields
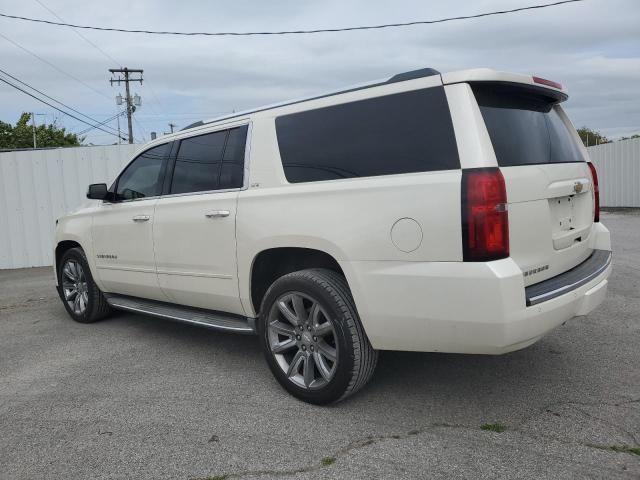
x=452 y=212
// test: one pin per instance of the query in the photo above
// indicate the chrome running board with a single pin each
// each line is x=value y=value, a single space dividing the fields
x=195 y=316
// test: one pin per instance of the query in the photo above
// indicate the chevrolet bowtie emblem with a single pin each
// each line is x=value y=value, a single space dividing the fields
x=577 y=187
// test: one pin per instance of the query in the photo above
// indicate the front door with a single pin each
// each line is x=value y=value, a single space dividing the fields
x=123 y=229
x=195 y=222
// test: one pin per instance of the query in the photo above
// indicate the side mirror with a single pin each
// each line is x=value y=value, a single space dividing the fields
x=97 y=191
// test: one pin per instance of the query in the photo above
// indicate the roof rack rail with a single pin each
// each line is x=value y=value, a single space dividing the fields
x=413 y=74
x=400 y=77
x=194 y=124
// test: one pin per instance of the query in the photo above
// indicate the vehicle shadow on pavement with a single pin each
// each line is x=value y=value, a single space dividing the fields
x=518 y=381
x=197 y=396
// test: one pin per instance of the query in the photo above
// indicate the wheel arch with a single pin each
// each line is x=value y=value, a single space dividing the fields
x=65 y=244
x=62 y=247
x=272 y=263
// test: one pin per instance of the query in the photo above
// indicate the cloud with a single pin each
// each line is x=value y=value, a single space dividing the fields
x=592 y=47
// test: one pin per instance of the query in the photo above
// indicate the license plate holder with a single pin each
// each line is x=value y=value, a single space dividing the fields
x=563 y=213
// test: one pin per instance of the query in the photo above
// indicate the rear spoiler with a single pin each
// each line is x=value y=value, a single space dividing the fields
x=542 y=86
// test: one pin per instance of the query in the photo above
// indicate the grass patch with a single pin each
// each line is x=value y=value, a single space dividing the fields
x=217 y=477
x=493 y=427
x=625 y=449
x=326 y=461
x=616 y=448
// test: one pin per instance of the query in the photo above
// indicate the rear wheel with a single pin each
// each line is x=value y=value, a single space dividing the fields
x=312 y=337
x=81 y=297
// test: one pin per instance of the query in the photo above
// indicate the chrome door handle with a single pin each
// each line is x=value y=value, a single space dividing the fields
x=141 y=218
x=217 y=214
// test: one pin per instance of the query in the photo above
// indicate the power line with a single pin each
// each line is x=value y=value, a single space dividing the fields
x=106 y=55
x=104 y=122
x=171 y=114
x=110 y=119
x=288 y=32
x=53 y=66
x=48 y=96
x=55 y=108
x=141 y=127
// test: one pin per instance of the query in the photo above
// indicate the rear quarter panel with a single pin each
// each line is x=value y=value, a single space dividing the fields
x=350 y=219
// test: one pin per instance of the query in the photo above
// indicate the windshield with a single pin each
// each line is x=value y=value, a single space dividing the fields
x=525 y=127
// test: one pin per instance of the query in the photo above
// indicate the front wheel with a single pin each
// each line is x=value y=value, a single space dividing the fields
x=82 y=298
x=312 y=337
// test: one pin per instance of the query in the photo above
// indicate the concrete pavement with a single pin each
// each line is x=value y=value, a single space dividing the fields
x=138 y=397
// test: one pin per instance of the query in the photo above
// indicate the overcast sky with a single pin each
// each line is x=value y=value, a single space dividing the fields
x=593 y=47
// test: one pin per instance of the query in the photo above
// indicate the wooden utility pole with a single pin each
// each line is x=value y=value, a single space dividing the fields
x=125 y=78
x=33 y=125
x=171 y=126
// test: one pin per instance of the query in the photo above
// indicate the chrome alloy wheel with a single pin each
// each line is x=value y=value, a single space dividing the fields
x=74 y=286
x=303 y=340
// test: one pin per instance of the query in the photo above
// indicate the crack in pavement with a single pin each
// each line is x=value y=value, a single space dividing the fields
x=355 y=445
x=575 y=405
x=26 y=304
x=620 y=428
x=375 y=439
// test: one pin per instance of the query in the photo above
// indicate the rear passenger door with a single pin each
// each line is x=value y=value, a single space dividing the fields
x=195 y=221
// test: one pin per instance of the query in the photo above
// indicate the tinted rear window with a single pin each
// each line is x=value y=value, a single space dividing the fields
x=401 y=133
x=214 y=161
x=524 y=127
x=198 y=163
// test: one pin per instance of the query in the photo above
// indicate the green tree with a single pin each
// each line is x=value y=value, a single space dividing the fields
x=591 y=137
x=636 y=135
x=21 y=135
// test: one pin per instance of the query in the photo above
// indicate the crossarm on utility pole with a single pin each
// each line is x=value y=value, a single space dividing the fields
x=127 y=79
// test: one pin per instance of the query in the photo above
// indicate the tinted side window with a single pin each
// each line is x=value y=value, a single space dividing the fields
x=400 y=133
x=198 y=163
x=142 y=177
x=232 y=169
x=208 y=162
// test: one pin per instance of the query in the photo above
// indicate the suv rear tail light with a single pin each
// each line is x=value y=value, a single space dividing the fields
x=485 y=220
x=596 y=193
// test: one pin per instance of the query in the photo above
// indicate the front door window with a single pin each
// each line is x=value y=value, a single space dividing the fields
x=142 y=178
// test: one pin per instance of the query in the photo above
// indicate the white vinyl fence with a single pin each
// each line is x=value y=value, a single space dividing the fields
x=38 y=186
x=618 y=166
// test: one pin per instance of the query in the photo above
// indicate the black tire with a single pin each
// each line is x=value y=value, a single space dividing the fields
x=356 y=359
x=97 y=307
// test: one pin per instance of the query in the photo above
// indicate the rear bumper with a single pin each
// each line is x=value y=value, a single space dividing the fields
x=463 y=307
x=570 y=280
